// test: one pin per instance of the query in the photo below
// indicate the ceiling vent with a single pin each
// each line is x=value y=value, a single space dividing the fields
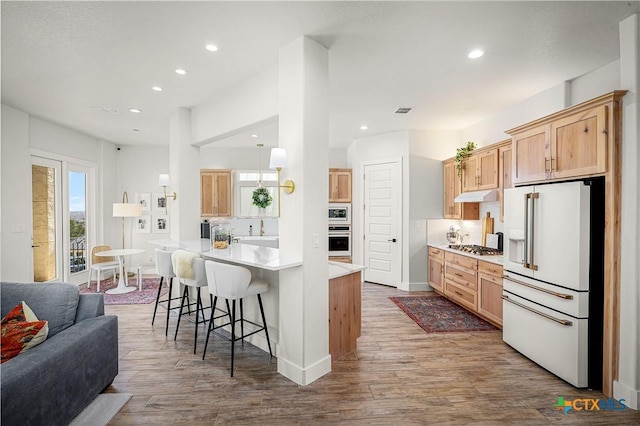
x=403 y=110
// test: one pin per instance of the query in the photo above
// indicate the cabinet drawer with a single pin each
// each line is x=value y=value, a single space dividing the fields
x=436 y=252
x=461 y=276
x=460 y=260
x=462 y=295
x=490 y=268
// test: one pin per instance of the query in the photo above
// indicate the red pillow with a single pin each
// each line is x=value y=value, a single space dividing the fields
x=21 y=330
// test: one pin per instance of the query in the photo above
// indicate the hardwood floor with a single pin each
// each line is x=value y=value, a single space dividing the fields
x=399 y=375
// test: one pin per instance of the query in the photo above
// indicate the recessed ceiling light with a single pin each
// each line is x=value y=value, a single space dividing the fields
x=157 y=88
x=254 y=135
x=211 y=48
x=475 y=54
x=364 y=127
x=180 y=71
x=135 y=110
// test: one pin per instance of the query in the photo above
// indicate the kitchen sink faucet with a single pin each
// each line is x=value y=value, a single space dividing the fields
x=261 y=227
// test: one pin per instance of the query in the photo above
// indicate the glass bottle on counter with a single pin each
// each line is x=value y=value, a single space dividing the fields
x=221 y=236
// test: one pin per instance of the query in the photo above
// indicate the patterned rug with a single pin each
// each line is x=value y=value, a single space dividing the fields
x=436 y=314
x=147 y=295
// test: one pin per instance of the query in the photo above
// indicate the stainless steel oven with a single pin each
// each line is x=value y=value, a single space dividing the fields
x=339 y=240
x=339 y=213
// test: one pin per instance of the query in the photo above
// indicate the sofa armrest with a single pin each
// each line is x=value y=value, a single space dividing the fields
x=90 y=306
x=52 y=382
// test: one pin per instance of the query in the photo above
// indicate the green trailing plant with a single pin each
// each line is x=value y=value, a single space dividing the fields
x=462 y=154
x=261 y=198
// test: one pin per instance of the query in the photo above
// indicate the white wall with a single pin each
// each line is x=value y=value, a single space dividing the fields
x=137 y=171
x=596 y=83
x=20 y=134
x=248 y=104
x=16 y=197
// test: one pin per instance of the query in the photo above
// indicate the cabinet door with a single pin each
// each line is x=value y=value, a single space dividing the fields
x=490 y=297
x=452 y=187
x=506 y=161
x=207 y=180
x=470 y=173
x=436 y=274
x=222 y=194
x=579 y=144
x=530 y=155
x=339 y=185
x=487 y=171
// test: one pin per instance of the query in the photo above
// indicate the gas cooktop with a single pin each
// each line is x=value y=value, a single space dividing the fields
x=476 y=249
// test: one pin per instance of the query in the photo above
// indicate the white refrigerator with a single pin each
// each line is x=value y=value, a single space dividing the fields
x=548 y=277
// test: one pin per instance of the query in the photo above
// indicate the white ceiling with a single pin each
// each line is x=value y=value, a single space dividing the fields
x=84 y=64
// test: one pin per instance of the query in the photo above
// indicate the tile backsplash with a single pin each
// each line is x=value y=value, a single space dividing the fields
x=437 y=228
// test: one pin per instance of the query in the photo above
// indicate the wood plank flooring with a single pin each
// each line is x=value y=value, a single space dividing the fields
x=399 y=375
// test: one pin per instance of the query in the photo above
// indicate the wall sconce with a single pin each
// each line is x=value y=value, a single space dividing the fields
x=126 y=209
x=278 y=160
x=164 y=180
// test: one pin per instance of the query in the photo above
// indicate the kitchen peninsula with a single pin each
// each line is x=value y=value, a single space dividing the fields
x=345 y=290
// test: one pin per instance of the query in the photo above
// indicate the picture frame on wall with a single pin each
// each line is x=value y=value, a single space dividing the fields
x=143 y=224
x=161 y=224
x=159 y=202
x=144 y=199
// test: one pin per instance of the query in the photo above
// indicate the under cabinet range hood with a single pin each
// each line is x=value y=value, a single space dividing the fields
x=477 y=196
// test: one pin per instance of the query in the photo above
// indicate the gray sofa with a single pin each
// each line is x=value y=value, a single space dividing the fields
x=54 y=381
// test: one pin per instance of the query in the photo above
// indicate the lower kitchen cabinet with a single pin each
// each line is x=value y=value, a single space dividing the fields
x=473 y=284
x=436 y=269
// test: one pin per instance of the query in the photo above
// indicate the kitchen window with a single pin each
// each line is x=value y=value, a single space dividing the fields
x=246 y=183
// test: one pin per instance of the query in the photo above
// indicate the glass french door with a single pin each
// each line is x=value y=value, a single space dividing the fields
x=46 y=192
x=63 y=220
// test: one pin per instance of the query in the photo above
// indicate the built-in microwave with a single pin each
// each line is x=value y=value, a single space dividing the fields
x=340 y=213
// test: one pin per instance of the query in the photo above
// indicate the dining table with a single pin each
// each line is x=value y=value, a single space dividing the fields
x=120 y=254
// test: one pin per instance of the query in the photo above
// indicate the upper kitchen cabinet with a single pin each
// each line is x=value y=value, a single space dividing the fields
x=570 y=143
x=480 y=171
x=452 y=188
x=506 y=180
x=216 y=198
x=339 y=185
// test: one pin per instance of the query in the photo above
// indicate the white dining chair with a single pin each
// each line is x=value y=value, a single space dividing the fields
x=100 y=264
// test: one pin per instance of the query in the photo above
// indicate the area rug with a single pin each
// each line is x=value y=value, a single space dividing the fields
x=147 y=295
x=102 y=409
x=436 y=314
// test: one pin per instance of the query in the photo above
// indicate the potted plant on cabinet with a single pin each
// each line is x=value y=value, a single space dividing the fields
x=462 y=154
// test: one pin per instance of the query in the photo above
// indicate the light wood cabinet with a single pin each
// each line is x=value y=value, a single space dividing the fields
x=436 y=269
x=490 y=292
x=452 y=188
x=343 y=259
x=461 y=283
x=480 y=171
x=506 y=181
x=340 y=185
x=345 y=314
x=216 y=196
x=567 y=145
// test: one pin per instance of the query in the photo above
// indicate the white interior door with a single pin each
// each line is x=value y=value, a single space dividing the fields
x=382 y=230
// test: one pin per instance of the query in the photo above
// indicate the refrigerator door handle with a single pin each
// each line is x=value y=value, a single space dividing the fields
x=525 y=261
x=565 y=323
x=535 y=287
x=532 y=223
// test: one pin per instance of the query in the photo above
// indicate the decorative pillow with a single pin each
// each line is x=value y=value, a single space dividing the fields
x=21 y=330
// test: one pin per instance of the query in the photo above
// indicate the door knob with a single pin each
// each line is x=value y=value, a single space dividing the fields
x=393 y=240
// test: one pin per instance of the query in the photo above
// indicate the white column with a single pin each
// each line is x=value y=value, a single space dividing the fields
x=303 y=351
x=627 y=386
x=184 y=168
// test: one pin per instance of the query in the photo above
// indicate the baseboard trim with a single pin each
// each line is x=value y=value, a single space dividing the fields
x=304 y=376
x=414 y=286
x=631 y=396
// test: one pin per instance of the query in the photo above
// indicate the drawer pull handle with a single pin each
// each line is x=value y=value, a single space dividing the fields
x=535 y=287
x=458 y=275
x=542 y=314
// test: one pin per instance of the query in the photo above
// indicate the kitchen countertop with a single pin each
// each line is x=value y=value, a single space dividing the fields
x=497 y=259
x=339 y=269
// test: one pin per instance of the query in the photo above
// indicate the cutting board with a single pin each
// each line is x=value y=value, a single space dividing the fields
x=487 y=227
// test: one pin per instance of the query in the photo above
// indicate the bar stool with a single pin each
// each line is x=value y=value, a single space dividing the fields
x=164 y=268
x=189 y=269
x=233 y=283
